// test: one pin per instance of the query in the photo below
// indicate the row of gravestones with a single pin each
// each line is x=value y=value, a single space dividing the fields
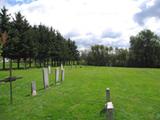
x=109 y=106
x=46 y=72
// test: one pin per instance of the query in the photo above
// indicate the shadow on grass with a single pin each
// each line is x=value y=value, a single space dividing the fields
x=40 y=89
x=103 y=111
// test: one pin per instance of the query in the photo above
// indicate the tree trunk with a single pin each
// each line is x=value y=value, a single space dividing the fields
x=24 y=63
x=4 y=63
x=47 y=62
x=52 y=62
x=56 y=63
x=35 y=62
x=30 y=62
x=44 y=63
x=18 y=63
x=40 y=63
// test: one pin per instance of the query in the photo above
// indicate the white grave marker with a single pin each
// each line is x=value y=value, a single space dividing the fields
x=45 y=78
x=33 y=88
x=62 y=75
x=61 y=66
x=110 y=110
x=57 y=75
x=49 y=69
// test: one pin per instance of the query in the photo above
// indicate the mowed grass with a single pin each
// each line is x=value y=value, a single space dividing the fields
x=135 y=94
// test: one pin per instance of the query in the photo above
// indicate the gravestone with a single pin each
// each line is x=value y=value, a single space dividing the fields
x=33 y=88
x=108 y=94
x=62 y=75
x=45 y=78
x=57 y=75
x=49 y=69
x=110 y=110
x=61 y=66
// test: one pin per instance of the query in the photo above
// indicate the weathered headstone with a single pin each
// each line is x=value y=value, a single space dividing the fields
x=45 y=78
x=110 y=110
x=57 y=75
x=62 y=75
x=49 y=69
x=61 y=66
x=33 y=88
x=108 y=94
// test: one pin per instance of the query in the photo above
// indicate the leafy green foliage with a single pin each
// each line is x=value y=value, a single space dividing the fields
x=39 y=43
x=145 y=49
x=102 y=55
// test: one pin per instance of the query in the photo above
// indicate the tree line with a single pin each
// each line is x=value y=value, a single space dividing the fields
x=144 y=51
x=44 y=45
x=40 y=44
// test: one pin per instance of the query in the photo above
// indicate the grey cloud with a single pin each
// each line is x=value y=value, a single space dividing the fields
x=107 y=38
x=72 y=34
x=147 y=12
x=119 y=43
x=86 y=42
x=89 y=33
x=110 y=34
x=34 y=8
x=92 y=40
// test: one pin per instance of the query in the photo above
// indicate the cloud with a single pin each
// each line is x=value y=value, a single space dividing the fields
x=71 y=34
x=89 y=22
x=87 y=40
x=13 y=3
x=20 y=2
x=148 y=10
x=110 y=34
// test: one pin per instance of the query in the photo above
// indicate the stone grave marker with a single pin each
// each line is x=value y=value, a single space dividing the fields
x=45 y=78
x=108 y=95
x=61 y=66
x=49 y=69
x=33 y=88
x=62 y=75
x=57 y=75
x=110 y=110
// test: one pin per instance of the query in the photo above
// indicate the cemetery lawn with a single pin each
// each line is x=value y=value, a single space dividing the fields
x=135 y=93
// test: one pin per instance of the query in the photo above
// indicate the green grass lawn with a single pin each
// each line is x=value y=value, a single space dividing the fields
x=135 y=94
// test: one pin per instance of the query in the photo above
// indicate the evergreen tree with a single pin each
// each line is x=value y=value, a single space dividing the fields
x=39 y=43
x=4 y=30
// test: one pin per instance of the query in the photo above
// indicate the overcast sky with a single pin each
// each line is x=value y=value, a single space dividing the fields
x=89 y=22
